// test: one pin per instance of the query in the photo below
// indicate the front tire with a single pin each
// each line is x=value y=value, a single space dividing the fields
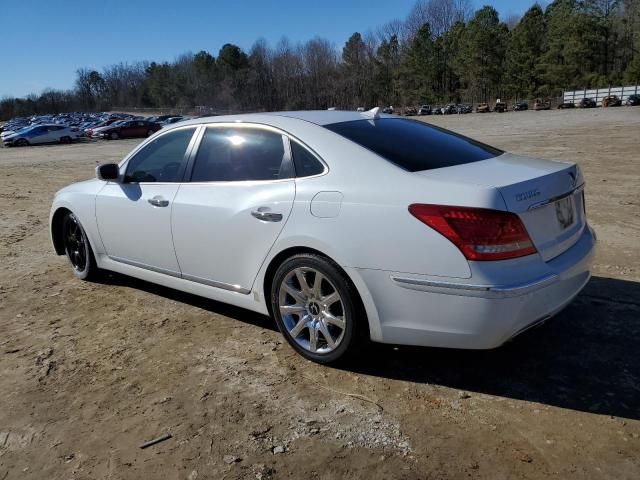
x=77 y=248
x=150 y=132
x=114 y=136
x=316 y=308
x=22 y=142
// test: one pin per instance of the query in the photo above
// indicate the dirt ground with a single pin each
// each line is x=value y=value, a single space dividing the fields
x=90 y=371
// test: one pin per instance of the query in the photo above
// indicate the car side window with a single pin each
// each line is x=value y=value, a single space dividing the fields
x=228 y=154
x=305 y=162
x=161 y=160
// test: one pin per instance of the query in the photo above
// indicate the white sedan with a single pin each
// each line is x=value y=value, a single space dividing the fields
x=341 y=225
x=38 y=134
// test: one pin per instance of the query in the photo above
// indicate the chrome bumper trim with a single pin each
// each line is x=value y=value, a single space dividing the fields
x=473 y=290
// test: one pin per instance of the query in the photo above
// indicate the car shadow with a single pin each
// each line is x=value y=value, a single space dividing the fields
x=219 y=308
x=586 y=358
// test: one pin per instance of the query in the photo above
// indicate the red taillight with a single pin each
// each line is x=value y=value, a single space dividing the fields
x=479 y=233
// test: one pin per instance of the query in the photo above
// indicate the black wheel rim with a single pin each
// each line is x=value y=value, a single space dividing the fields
x=75 y=244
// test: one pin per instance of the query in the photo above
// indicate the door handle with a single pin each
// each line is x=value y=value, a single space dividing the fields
x=158 y=201
x=265 y=215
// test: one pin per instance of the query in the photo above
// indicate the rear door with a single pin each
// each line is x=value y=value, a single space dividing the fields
x=228 y=216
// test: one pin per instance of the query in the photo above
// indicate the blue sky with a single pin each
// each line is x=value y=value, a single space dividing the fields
x=45 y=41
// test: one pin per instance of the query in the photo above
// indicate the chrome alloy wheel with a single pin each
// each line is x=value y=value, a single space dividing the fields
x=312 y=310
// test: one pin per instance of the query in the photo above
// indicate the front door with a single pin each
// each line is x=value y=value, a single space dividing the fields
x=228 y=216
x=134 y=214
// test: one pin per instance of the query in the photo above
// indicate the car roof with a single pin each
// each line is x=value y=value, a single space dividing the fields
x=318 y=117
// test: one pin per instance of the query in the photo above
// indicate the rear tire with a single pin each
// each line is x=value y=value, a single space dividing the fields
x=321 y=321
x=150 y=132
x=78 y=249
x=65 y=140
x=114 y=136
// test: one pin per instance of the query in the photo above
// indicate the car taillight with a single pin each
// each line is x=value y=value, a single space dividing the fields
x=479 y=233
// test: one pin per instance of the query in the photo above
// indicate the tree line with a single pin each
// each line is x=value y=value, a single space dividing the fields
x=442 y=52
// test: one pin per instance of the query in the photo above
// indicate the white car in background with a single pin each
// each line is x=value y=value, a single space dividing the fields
x=341 y=225
x=38 y=134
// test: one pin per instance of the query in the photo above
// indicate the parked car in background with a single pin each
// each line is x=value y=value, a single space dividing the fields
x=436 y=111
x=130 y=129
x=410 y=111
x=40 y=134
x=587 y=103
x=171 y=120
x=520 y=106
x=91 y=130
x=611 y=101
x=449 y=109
x=541 y=104
x=485 y=244
x=632 y=100
x=482 y=108
x=388 y=109
x=565 y=105
x=464 y=108
x=424 y=110
x=500 y=107
x=360 y=109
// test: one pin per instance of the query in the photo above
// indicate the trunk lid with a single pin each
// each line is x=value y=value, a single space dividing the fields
x=546 y=195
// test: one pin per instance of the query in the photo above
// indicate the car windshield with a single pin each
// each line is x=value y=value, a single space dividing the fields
x=413 y=145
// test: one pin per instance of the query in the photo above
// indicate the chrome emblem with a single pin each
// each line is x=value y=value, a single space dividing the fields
x=527 y=195
x=564 y=212
x=314 y=309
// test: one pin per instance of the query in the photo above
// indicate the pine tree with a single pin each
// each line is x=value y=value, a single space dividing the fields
x=419 y=68
x=523 y=54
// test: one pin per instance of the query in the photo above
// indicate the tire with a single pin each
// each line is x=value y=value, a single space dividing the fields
x=21 y=142
x=150 y=132
x=114 y=136
x=65 y=140
x=322 y=324
x=78 y=249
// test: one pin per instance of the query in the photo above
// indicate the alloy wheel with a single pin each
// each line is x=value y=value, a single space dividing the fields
x=75 y=244
x=312 y=310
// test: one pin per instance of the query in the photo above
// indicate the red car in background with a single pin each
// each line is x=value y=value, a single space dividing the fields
x=130 y=129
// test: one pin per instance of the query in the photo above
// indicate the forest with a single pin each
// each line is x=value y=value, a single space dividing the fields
x=443 y=51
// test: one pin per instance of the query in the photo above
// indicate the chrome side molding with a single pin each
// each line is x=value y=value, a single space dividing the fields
x=191 y=278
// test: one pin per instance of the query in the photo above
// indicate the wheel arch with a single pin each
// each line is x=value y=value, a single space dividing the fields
x=56 y=229
x=367 y=310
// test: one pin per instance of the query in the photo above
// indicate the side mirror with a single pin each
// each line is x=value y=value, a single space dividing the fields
x=108 y=171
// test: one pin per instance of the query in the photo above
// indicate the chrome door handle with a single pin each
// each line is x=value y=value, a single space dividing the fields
x=263 y=214
x=158 y=201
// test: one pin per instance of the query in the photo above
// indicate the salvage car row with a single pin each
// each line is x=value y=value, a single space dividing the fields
x=65 y=128
x=501 y=106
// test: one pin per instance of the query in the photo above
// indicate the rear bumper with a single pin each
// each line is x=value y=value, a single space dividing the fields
x=429 y=311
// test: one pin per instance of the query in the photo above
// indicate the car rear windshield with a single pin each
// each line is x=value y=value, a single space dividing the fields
x=414 y=145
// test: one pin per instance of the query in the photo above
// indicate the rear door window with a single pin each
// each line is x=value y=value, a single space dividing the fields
x=228 y=154
x=414 y=145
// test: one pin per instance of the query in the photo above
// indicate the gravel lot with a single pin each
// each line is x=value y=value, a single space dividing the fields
x=88 y=372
